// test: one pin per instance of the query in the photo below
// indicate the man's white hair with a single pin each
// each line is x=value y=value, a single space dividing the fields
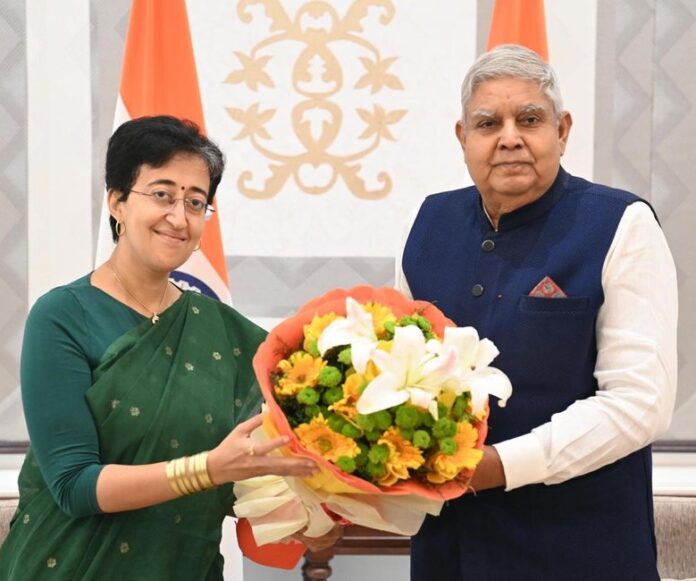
x=519 y=62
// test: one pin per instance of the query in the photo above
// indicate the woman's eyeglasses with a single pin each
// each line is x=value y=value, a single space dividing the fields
x=194 y=206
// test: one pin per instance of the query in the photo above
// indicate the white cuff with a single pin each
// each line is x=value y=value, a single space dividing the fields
x=523 y=459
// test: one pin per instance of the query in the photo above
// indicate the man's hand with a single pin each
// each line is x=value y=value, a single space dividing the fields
x=315 y=544
x=489 y=473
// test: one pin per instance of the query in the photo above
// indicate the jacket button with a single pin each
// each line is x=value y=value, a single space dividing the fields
x=477 y=290
x=487 y=245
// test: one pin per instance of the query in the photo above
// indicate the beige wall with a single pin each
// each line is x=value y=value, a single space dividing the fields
x=645 y=132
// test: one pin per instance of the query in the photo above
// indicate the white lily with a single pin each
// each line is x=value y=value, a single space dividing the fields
x=409 y=372
x=356 y=330
x=474 y=356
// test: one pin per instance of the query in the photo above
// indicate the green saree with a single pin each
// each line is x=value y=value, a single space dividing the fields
x=160 y=392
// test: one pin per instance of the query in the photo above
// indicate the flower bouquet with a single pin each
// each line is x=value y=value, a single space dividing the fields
x=387 y=396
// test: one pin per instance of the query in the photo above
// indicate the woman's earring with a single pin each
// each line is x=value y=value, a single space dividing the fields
x=120 y=228
x=197 y=247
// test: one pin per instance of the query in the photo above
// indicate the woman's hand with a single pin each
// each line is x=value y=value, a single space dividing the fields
x=238 y=457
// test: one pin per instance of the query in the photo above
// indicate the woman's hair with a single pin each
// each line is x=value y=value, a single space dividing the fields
x=155 y=141
x=512 y=60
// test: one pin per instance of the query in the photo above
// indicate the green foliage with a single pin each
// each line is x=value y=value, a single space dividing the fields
x=383 y=419
x=405 y=321
x=421 y=439
x=427 y=420
x=332 y=395
x=379 y=453
x=347 y=464
x=373 y=435
x=460 y=407
x=367 y=423
x=444 y=428
x=448 y=446
x=308 y=396
x=361 y=459
x=351 y=431
x=330 y=376
x=313 y=349
x=312 y=411
x=374 y=470
x=424 y=324
x=407 y=417
x=406 y=433
x=335 y=422
x=346 y=357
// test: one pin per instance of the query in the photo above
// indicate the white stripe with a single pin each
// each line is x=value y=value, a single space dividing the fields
x=105 y=245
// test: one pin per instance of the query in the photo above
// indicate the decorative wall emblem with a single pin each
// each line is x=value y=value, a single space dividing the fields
x=317 y=77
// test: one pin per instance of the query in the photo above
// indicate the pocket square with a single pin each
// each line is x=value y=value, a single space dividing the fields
x=547 y=288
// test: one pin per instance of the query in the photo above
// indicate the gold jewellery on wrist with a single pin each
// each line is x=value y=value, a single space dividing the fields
x=189 y=474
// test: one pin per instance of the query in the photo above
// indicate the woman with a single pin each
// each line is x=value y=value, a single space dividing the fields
x=132 y=388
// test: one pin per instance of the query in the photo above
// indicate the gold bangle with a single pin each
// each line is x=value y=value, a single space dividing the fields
x=180 y=470
x=191 y=474
x=180 y=484
x=169 y=471
x=202 y=471
x=199 y=473
x=195 y=470
x=185 y=477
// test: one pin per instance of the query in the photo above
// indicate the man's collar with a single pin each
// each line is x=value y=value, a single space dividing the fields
x=531 y=211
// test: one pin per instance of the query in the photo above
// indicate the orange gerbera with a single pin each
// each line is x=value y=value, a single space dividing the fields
x=316 y=436
x=380 y=315
x=402 y=456
x=442 y=468
x=352 y=388
x=314 y=329
x=300 y=370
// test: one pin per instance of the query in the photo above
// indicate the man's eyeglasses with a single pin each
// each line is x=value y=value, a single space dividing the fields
x=194 y=206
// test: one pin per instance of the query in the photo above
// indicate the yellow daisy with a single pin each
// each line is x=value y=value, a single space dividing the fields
x=380 y=315
x=300 y=370
x=352 y=388
x=442 y=467
x=402 y=456
x=317 y=437
x=314 y=329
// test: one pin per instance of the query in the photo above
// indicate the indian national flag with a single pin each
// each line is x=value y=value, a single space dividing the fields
x=519 y=22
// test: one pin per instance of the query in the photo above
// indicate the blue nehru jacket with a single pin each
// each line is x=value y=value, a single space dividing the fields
x=595 y=527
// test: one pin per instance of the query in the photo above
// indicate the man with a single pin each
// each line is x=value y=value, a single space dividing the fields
x=575 y=284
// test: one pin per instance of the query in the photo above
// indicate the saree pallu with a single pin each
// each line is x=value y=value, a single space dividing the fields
x=160 y=392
